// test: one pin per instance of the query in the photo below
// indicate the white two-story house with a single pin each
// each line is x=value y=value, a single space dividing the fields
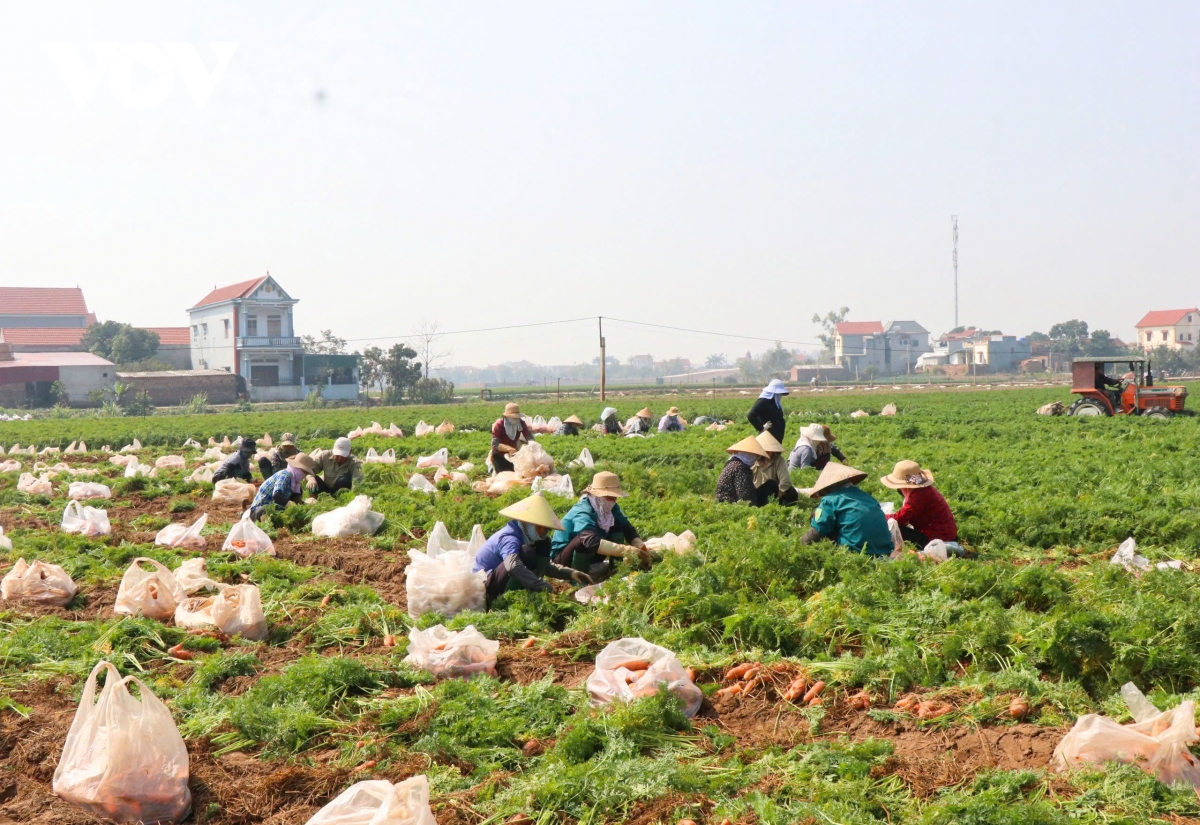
x=247 y=329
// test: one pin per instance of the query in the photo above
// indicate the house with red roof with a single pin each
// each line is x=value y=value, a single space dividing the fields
x=246 y=328
x=891 y=350
x=1178 y=329
x=44 y=307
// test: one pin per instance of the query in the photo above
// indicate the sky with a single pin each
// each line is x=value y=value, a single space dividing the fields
x=723 y=167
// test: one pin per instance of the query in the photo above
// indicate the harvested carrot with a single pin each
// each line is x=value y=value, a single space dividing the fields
x=389 y=640
x=816 y=702
x=860 y=700
x=365 y=766
x=752 y=684
x=532 y=748
x=1018 y=708
x=814 y=692
x=737 y=672
x=907 y=704
x=178 y=652
x=528 y=643
x=931 y=709
x=752 y=674
x=729 y=692
x=633 y=664
x=325 y=601
x=691 y=674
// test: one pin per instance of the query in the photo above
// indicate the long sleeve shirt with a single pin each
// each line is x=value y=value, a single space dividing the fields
x=330 y=471
x=669 y=424
x=767 y=415
x=500 y=435
x=805 y=456
x=236 y=466
x=637 y=426
x=736 y=483
x=581 y=519
x=854 y=519
x=510 y=547
x=925 y=509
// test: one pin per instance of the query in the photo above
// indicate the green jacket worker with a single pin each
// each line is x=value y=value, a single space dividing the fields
x=848 y=515
x=595 y=526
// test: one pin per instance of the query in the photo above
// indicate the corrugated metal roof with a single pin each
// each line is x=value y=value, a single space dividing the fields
x=1164 y=317
x=860 y=328
x=230 y=293
x=43 y=336
x=56 y=359
x=20 y=300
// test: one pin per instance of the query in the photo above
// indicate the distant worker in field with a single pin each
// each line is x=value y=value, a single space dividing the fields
x=847 y=515
x=509 y=434
x=925 y=515
x=276 y=457
x=571 y=425
x=285 y=487
x=238 y=465
x=735 y=484
x=672 y=422
x=771 y=476
x=336 y=469
x=767 y=412
x=596 y=530
x=517 y=557
x=640 y=424
x=814 y=448
x=609 y=422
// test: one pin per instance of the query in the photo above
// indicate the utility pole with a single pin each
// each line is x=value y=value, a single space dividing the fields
x=954 y=234
x=600 y=321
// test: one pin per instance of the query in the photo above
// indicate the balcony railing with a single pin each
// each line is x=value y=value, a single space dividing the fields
x=265 y=342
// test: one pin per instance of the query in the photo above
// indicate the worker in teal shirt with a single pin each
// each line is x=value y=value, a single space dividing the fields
x=596 y=527
x=848 y=515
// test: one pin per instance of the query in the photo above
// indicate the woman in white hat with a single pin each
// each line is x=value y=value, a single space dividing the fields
x=672 y=422
x=517 y=556
x=814 y=448
x=609 y=421
x=596 y=527
x=925 y=515
x=736 y=482
x=848 y=515
x=640 y=423
x=284 y=487
x=767 y=412
x=771 y=476
x=509 y=434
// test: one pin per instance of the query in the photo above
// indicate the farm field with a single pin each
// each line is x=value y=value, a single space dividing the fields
x=276 y=729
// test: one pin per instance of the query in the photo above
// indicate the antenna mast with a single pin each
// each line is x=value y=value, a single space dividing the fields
x=954 y=228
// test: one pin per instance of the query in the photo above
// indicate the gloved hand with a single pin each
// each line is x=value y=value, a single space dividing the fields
x=310 y=484
x=507 y=449
x=579 y=577
x=638 y=543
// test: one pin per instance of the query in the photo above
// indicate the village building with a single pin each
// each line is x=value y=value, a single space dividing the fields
x=27 y=379
x=892 y=350
x=1178 y=329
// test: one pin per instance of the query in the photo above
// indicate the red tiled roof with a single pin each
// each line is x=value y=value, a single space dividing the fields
x=171 y=335
x=43 y=336
x=860 y=328
x=230 y=293
x=1164 y=317
x=19 y=300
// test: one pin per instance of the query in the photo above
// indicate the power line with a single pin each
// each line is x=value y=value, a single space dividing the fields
x=721 y=334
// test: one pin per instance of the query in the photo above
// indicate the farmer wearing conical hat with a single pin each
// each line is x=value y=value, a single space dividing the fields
x=736 y=482
x=571 y=425
x=672 y=422
x=509 y=434
x=596 y=529
x=767 y=412
x=846 y=514
x=640 y=423
x=517 y=556
x=925 y=515
x=771 y=476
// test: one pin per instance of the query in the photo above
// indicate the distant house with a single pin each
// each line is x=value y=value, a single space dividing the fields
x=174 y=347
x=1000 y=353
x=41 y=307
x=246 y=328
x=27 y=378
x=893 y=350
x=43 y=339
x=1178 y=329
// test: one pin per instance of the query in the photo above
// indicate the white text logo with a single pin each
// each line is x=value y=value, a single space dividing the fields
x=119 y=62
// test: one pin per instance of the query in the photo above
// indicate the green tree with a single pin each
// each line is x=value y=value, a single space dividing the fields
x=327 y=344
x=716 y=361
x=120 y=343
x=829 y=326
x=432 y=391
x=1069 y=337
x=1166 y=358
x=399 y=371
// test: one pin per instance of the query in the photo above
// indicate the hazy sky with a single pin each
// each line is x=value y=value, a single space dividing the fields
x=720 y=166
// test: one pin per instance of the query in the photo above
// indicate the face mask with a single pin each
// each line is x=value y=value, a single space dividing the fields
x=531 y=531
x=746 y=458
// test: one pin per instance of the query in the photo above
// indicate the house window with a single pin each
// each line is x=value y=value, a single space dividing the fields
x=195 y=333
x=1189 y=319
x=204 y=330
x=226 y=327
x=1164 y=333
x=251 y=326
x=274 y=326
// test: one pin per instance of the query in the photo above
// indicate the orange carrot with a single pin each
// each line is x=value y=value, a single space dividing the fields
x=178 y=652
x=389 y=640
x=633 y=664
x=814 y=692
x=528 y=643
x=737 y=672
x=752 y=673
x=365 y=766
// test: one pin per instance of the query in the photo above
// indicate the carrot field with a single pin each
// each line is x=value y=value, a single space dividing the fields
x=275 y=729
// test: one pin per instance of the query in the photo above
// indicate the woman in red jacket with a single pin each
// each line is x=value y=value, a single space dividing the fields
x=925 y=515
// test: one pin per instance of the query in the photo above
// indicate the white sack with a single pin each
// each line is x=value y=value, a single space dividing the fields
x=40 y=582
x=681 y=544
x=379 y=802
x=86 y=521
x=584 y=460
x=183 y=535
x=246 y=538
x=421 y=484
x=441 y=581
x=355 y=517
x=449 y=654
x=170 y=462
x=10 y=466
x=192 y=576
x=132 y=448
x=437 y=459
x=201 y=475
x=610 y=680
x=423 y=429
x=80 y=490
x=33 y=486
x=532 y=460
x=5 y=541
x=153 y=593
x=386 y=457
x=235 y=610
x=559 y=485
x=233 y=491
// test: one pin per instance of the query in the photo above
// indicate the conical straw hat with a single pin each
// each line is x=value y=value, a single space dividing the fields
x=833 y=476
x=533 y=510
x=769 y=442
x=644 y=412
x=574 y=419
x=748 y=445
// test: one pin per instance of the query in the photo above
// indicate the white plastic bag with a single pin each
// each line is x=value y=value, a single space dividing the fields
x=1157 y=741
x=445 y=428
x=233 y=491
x=386 y=457
x=934 y=551
x=214 y=454
x=40 y=582
x=86 y=521
x=393 y=431
x=355 y=517
x=379 y=802
x=888 y=409
x=192 y=576
x=246 y=538
x=584 y=460
x=80 y=490
x=681 y=544
x=122 y=460
x=5 y=541
x=532 y=460
x=132 y=448
x=897 y=536
x=183 y=535
x=449 y=654
x=201 y=475
x=134 y=468
x=423 y=429
x=33 y=486
x=124 y=758
x=440 y=541
x=466 y=467
x=235 y=610
x=860 y=414
x=559 y=485
x=153 y=593
x=1127 y=556
x=170 y=462
x=441 y=581
x=421 y=484
x=357 y=432
x=193 y=443
x=437 y=459
x=613 y=677
x=10 y=466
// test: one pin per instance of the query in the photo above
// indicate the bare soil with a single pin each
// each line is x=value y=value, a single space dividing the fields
x=351 y=560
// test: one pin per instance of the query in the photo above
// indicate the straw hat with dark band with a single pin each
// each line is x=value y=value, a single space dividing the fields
x=834 y=476
x=512 y=410
x=673 y=411
x=907 y=475
x=533 y=510
x=606 y=485
x=749 y=444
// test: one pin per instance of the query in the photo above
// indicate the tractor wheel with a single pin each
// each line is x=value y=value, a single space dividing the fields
x=1088 y=407
x=1157 y=413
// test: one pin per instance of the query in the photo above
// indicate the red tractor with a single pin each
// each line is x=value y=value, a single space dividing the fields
x=1133 y=394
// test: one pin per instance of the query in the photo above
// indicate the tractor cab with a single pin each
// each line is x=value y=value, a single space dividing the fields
x=1102 y=391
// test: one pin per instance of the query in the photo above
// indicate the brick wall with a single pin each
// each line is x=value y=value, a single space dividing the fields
x=169 y=390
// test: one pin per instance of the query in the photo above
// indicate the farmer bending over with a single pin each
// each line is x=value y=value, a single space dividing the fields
x=609 y=421
x=509 y=435
x=736 y=482
x=771 y=476
x=848 y=515
x=284 y=487
x=595 y=526
x=238 y=465
x=517 y=557
x=570 y=426
x=925 y=515
x=672 y=422
x=336 y=469
x=814 y=448
x=276 y=457
x=640 y=423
